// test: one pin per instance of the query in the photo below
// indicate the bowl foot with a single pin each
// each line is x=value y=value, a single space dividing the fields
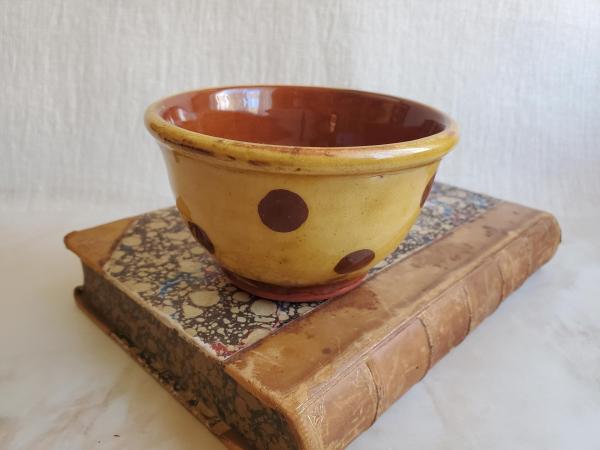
x=315 y=293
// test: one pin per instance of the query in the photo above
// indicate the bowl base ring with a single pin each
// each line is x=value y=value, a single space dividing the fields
x=315 y=293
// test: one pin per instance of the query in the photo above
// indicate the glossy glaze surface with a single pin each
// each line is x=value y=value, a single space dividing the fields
x=302 y=116
x=298 y=216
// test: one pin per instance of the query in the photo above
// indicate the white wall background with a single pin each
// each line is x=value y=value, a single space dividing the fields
x=521 y=77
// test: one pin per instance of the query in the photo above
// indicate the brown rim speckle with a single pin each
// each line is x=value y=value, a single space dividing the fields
x=257 y=163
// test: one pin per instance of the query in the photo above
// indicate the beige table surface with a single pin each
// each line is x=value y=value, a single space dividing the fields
x=527 y=378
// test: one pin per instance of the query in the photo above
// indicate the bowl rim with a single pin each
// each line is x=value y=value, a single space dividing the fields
x=302 y=159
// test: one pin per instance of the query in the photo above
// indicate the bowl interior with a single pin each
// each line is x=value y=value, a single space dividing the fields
x=302 y=116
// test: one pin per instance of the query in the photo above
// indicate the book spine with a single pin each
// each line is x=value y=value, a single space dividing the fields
x=403 y=359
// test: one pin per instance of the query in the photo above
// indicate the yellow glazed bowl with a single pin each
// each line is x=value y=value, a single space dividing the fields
x=298 y=191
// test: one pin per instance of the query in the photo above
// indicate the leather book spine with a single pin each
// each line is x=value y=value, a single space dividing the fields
x=393 y=366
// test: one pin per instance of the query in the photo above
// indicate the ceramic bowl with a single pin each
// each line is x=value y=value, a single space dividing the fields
x=298 y=191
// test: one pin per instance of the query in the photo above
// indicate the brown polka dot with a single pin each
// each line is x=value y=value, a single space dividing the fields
x=354 y=261
x=201 y=237
x=282 y=210
x=427 y=190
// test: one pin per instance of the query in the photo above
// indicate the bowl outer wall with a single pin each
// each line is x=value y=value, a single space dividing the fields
x=345 y=214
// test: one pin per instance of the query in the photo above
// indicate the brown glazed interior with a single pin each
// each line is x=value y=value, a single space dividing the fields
x=302 y=116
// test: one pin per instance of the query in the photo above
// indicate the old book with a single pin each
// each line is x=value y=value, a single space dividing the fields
x=276 y=375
